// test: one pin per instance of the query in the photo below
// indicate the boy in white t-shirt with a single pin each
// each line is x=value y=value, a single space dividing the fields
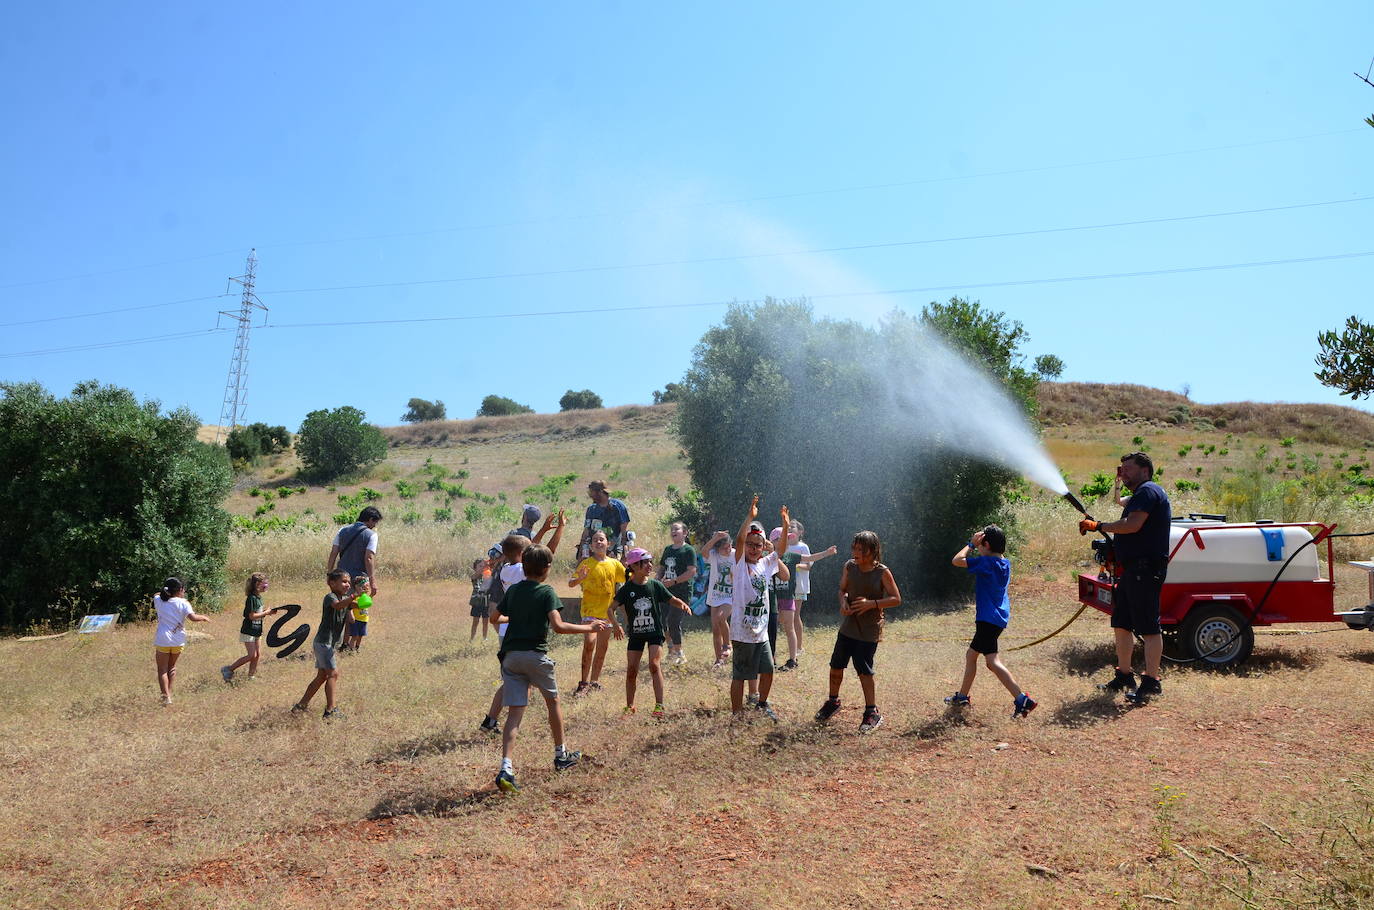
x=752 y=571
x=720 y=560
x=512 y=551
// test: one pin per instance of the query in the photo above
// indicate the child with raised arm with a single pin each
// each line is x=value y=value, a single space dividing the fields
x=753 y=659
x=798 y=545
x=984 y=559
x=867 y=588
x=645 y=600
x=676 y=569
x=720 y=561
x=598 y=576
x=530 y=607
x=173 y=612
x=512 y=551
x=329 y=638
x=250 y=632
x=783 y=594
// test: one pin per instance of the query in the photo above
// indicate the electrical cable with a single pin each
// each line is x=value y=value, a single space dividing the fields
x=581 y=270
x=127 y=309
x=100 y=345
x=708 y=203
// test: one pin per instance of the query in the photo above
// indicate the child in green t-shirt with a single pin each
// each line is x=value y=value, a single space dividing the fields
x=643 y=599
x=531 y=609
x=677 y=567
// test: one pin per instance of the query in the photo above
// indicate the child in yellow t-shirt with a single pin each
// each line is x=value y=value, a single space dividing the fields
x=357 y=616
x=598 y=575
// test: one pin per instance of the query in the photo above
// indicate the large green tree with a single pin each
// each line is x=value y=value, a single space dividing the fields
x=333 y=443
x=852 y=427
x=103 y=498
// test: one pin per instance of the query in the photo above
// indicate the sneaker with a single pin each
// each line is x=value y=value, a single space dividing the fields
x=505 y=782
x=828 y=709
x=790 y=665
x=1149 y=687
x=628 y=710
x=752 y=699
x=567 y=761
x=958 y=700
x=872 y=720
x=677 y=659
x=583 y=688
x=720 y=662
x=166 y=701
x=1024 y=706
x=767 y=711
x=594 y=686
x=227 y=673
x=660 y=712
x=1121 y=682
x=298 y=708
x=333 y=714
x=489 y=725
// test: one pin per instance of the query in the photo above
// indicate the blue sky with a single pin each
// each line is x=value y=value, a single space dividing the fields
x=422 y=162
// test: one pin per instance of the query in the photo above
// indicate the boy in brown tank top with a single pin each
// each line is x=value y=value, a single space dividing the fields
x=867 y=588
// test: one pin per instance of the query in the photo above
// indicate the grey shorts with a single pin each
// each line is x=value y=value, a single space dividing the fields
x=326 y=657
x=749 y=659
x=522 y=669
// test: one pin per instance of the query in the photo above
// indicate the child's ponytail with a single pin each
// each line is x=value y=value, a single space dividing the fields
x=172 y=587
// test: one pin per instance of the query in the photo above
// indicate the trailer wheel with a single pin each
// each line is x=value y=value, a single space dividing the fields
x=1174 y=647
x=1217 y=637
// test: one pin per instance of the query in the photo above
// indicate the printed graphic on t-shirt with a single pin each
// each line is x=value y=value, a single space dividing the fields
x=723 y=585
x=669 y=570
x=756 y=611
x=643 y=621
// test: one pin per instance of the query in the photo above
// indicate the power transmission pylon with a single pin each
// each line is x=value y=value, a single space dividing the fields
x=236 y=388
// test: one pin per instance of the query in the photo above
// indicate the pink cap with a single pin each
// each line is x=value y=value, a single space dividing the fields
x=636 y=555
x=774 y=534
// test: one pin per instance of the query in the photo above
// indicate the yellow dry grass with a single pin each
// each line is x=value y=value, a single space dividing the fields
x=1254 y=783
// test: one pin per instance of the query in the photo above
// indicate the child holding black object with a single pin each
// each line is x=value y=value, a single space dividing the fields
x=329 y=638
x=643 y=599
x=250 y=632
x=867 y=588
x=983 y=558
x=753 y=659
x=531 y=609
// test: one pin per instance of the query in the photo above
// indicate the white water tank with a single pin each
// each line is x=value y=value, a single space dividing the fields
x=1237 y=553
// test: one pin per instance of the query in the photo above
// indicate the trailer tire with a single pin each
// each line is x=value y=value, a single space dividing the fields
x=1217 y=637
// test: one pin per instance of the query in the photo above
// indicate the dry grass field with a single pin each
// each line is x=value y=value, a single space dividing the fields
x=1249 y=789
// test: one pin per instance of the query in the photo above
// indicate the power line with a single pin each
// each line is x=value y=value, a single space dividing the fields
x=1023 y=282
x=582 y=270
x=126 y=309
x=707 y=203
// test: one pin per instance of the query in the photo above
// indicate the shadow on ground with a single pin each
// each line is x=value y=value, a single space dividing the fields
x=1087 y=711
x=440 y=743
x=432 y=803
x=1364 y=657
x=942 y=727
x=1083 y=659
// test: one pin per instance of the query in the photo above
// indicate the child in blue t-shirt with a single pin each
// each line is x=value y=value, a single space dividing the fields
x=983 y=558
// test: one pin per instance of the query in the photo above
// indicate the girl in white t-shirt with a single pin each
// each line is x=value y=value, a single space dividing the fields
x=720 y=559
x=172 y=614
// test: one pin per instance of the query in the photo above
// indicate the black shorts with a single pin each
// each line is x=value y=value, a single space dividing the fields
x=1135 y=602
x=852 y=649
x=637 y=642
x=985 y=635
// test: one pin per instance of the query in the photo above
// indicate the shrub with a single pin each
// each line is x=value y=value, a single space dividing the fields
x=406 y=490
x=672 y=391
x=248 y=444
x=338 y=442
x=500 y=406
x=584 y=400
x=1187 y=486
x=1099 y=486
x=420 y=410
x=444 y=514
x=104 y=497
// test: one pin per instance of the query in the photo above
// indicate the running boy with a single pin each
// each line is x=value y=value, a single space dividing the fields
x=643 y=600
x=328 y=639
x=749 y=611
x=598 y=576
x=866 y=590
x=676 y=569
x=512 y=551
x=983 y=558
x=531 y=609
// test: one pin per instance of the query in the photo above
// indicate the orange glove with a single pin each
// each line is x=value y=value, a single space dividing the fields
x=1087 y=525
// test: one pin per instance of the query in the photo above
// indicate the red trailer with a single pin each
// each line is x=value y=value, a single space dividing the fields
x=1224 y=579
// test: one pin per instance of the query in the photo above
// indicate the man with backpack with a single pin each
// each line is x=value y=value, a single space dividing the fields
x=355 y=548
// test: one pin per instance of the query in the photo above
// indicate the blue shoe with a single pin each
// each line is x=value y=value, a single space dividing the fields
x=958 y=700
x=567 y=761
x=505 y=782
x=1024 y=706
